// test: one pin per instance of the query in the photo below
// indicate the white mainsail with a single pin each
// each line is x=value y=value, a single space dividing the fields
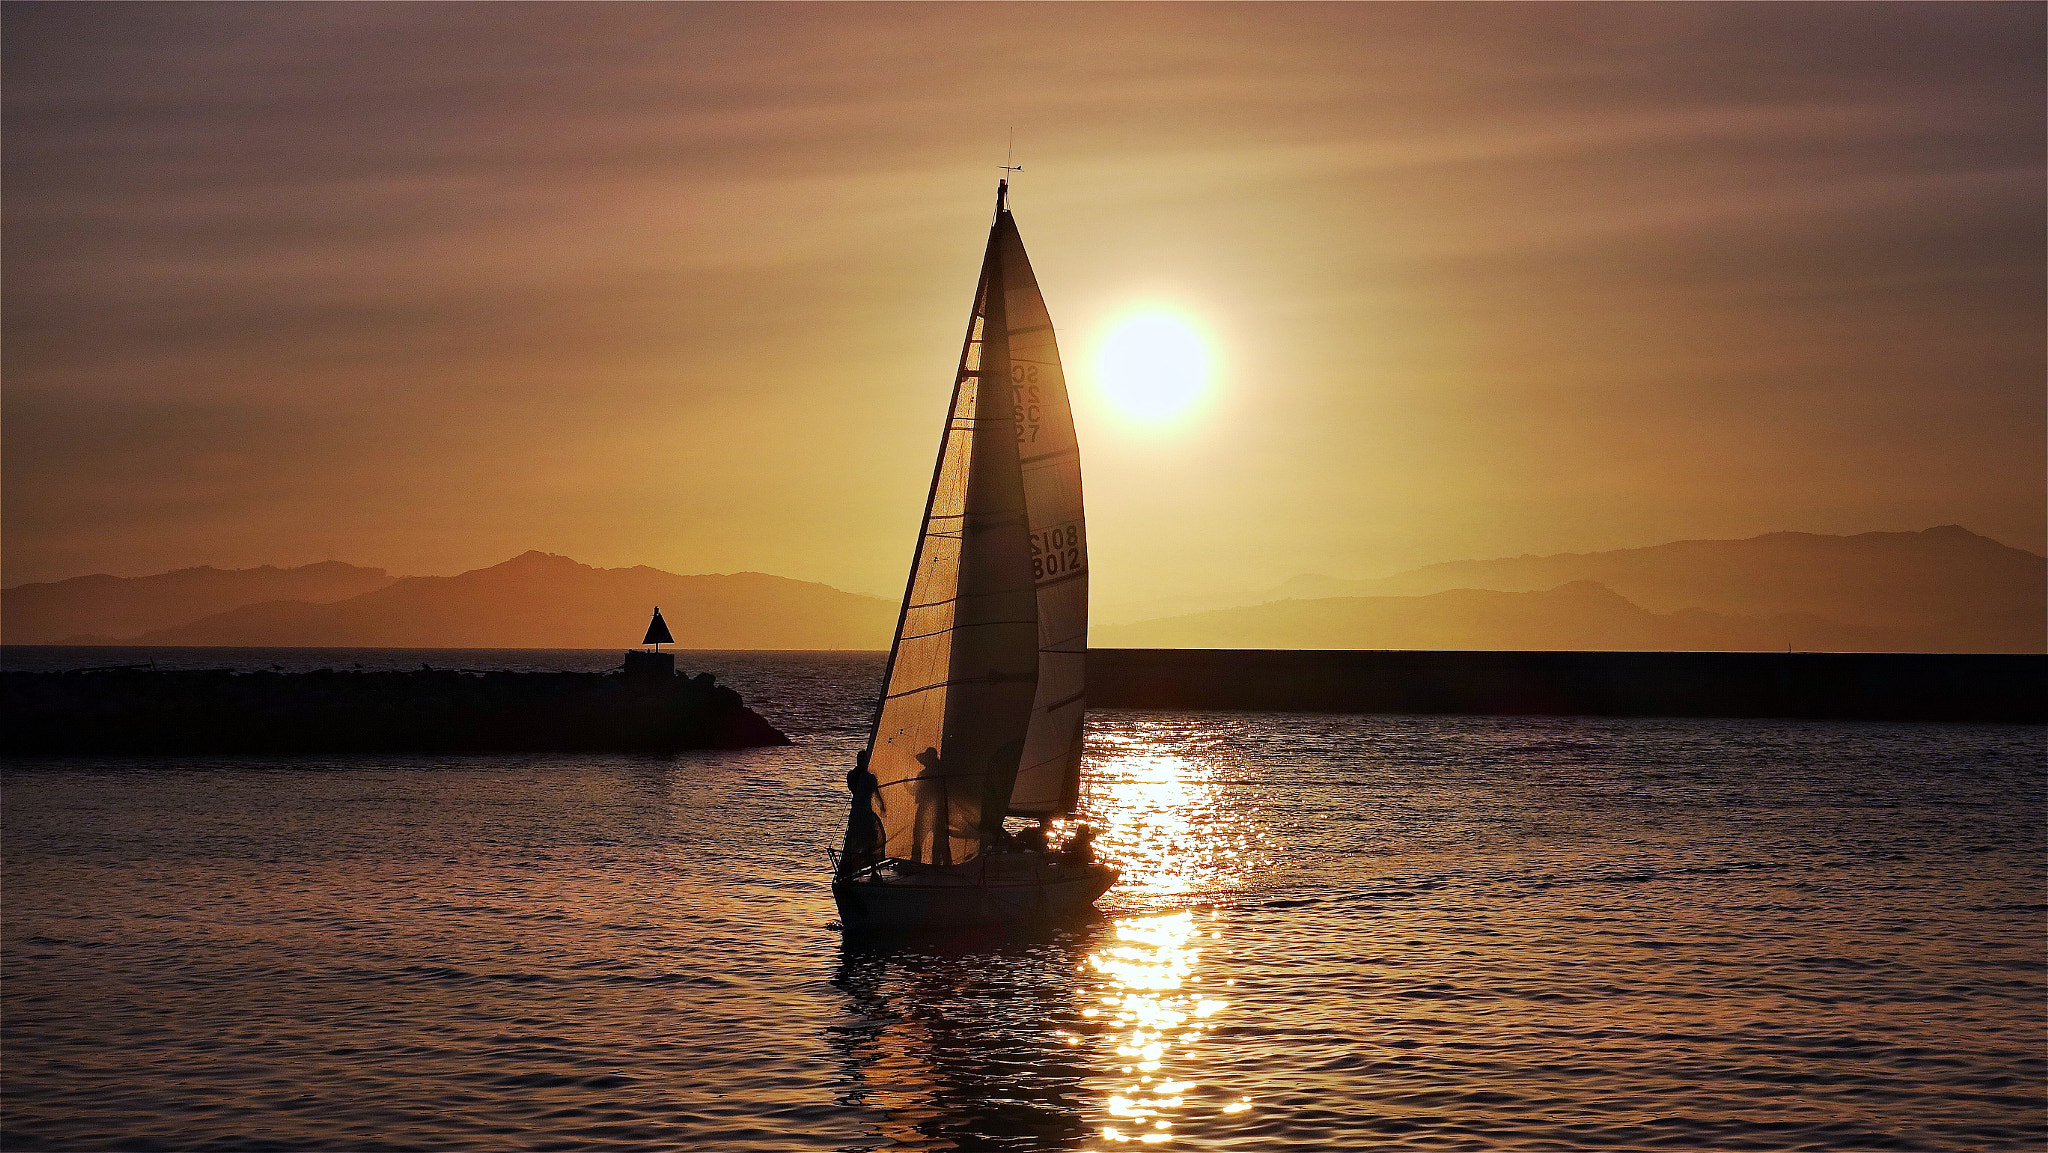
x=1049 y=775
x=957 y=701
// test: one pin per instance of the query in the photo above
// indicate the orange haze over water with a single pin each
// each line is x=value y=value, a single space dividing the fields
x=423 y=287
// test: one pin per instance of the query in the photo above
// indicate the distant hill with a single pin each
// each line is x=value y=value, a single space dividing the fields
x=1579 y=615
x=1942 y=589
x=539 y=600
x=105 y=607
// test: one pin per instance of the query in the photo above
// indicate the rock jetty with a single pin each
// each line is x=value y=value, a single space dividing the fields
x=139 y=710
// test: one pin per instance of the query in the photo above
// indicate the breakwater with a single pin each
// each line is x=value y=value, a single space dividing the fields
x=139 y=710
x=1842 y=686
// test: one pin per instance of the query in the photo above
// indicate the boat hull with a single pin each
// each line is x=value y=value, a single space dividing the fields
x=969 y=895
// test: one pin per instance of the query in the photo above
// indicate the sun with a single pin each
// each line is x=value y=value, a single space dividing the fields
x=1153 y=365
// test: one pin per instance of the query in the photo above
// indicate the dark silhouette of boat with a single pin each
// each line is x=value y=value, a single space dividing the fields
x=979 y=716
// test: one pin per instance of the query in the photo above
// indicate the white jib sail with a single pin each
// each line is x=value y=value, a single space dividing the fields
x=1049 y=775
x=963 y=670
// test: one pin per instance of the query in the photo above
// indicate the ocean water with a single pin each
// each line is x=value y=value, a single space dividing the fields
x=1333 y=932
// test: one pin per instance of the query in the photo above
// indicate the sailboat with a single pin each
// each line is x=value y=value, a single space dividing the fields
x=980 y=712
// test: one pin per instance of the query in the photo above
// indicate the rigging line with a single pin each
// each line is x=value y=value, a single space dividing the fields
x=956 y=627
x=967 y=776
x=1006 y=678
x=1005 y=591
x=1009 y=591
x=1051 y=760
x=1050 y=455
x=1069 y=699
x=1014 y=590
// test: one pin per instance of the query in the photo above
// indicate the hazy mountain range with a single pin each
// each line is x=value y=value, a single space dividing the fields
x=107 y=606
x=1944 y=589
x=1939 y=590
x=1578 y=615
x=535 y=600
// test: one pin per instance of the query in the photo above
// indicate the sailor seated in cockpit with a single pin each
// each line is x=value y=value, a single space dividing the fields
x=1033 y=839
x=1080 y=848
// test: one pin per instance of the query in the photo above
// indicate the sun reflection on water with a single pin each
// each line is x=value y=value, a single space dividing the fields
x=1157 y=1011
x=1164 y=818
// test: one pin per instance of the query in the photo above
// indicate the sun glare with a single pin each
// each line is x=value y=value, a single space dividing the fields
x=1153 y=365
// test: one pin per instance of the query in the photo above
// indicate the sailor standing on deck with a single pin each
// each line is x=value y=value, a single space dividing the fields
x=863 y=827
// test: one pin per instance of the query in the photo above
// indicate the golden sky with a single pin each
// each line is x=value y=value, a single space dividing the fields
x=425 y=286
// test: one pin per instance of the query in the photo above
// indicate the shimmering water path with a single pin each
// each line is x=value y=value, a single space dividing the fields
x=1334 y=932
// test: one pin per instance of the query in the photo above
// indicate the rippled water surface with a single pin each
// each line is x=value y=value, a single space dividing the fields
x=1364 y=932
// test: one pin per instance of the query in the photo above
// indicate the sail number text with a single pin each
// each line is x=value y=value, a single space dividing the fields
x=1024 y=398
x=1055 y=551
